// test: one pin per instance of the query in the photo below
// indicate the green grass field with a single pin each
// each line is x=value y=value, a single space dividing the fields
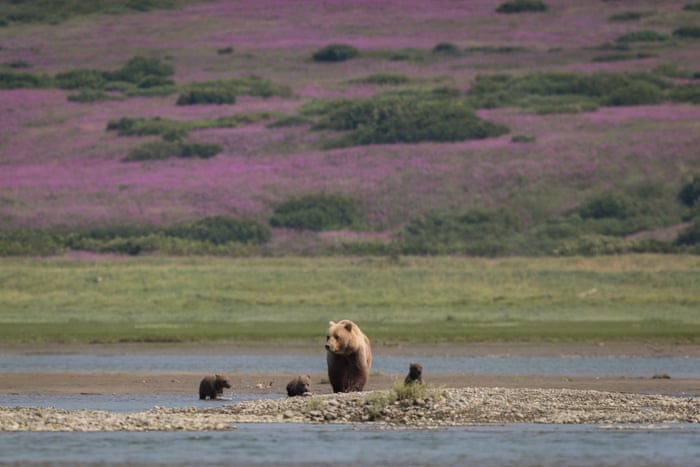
x=648 y=297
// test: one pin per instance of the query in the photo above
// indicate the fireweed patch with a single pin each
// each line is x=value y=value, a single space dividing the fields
x=59 y=167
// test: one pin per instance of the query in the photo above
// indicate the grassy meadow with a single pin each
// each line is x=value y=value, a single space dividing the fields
x=645 y=297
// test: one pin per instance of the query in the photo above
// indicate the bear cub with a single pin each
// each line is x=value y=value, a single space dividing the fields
x=213 y=386
x=415 y=374
x=299 y=386
x=348 y=356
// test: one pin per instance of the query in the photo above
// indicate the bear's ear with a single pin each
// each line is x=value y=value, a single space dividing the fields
x=348 y=326
x=331 y=323
x=218 y=376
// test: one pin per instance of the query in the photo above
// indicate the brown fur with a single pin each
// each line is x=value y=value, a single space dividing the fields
x=348 y=355
x=415 y=374
x=299 y=386
x=213 y=386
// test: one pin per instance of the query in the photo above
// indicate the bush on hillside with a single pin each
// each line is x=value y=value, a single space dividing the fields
x=391 y=79
x=687 y=93
x=80 y=79
x=21 y=80
x=687 y=32
x=692 y=6
x=317 y=212
x=445 y=48
x=397 y=119
x=52 y=11
x=478 y=231
x=521 y=6
x=501 y=90
x=690 y=235
x=626 y=16
x=609 y=205
x=644 y=35
x=207 y=96
x=245 y=85
x=335 y=53
x=637 y=93
x=160 y=150
x=126 y=126
x=138 y=68
x=690 y=192
x=220 y=230
x=90 y=95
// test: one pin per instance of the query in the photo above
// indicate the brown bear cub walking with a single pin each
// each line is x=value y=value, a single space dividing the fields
x=415 y=374
x=213 y=386
x=348 y=355
x=299 y=386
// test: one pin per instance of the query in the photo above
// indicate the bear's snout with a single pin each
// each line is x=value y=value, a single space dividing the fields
x=328 y=347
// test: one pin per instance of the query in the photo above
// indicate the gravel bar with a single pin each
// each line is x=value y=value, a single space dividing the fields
x=440 y=407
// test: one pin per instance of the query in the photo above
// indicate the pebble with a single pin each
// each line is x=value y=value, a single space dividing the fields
x=441 y=408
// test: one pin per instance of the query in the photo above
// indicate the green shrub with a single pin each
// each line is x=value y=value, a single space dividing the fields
x=138 y=68
x=207 y=96
x=645 y=35
x=637 y=93
x=689 y=194
x=690 y=235
x=18 y=80
x=221 y=230
x=446 y=48
x=153 y=151
x=200 y=150
x=523 y=139
x=521 y=6
x=407 y=54
x=692 y=6
x=30 y=242
x=126 y=126
x=247 y=85
x=152 y=81
x=383 y=79
x=317 y=212
x=626 y=16
x=160 y=150
x=80 y=79
x=505 y=90
x=609 y=205
x=687 y=32
x=397 y=119
x=89 y=95
x=292 y=120
x=335 y=53
x=478 y=231
x=225 y=50
x=16 y=64
x=52 y=11
x=686 y=93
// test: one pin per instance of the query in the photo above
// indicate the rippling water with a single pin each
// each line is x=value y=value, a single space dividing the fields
x=590 y=366
x=290 y=444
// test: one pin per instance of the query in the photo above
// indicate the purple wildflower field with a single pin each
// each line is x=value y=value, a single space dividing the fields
x=60 y=167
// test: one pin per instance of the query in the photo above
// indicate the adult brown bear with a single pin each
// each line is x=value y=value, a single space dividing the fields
x=348 y=355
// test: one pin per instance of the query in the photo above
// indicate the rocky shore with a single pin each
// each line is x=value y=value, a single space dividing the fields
x=433 y=408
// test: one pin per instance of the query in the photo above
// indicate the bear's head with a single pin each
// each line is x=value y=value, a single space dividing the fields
x=342 y=337
x=221 y=382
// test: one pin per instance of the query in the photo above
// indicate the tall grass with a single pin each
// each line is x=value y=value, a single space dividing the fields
x=448 y=298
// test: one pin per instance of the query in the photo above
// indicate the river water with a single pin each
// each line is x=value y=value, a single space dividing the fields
x=571 y=366
x=304 y=444
x=292 y=444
